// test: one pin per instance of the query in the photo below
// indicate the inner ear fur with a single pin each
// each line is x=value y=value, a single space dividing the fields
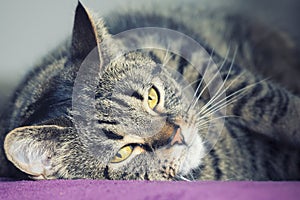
x=33 y=149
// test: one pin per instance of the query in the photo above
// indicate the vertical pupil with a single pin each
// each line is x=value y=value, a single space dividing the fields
x=153 y=97
x=119 y=155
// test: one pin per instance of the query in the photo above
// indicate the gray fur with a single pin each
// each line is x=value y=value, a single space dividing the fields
x=260 y=139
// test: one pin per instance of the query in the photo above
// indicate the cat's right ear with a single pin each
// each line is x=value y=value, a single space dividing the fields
x=84 y=36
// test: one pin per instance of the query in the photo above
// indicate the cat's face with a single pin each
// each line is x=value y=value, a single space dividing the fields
x=142 y=126
x=143 y=118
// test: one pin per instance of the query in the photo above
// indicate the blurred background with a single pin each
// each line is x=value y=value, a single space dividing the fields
x=29 y=29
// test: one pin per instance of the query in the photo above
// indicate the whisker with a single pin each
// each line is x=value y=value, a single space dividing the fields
x=216 y=118
x=215 y=75
x=223 y=103
x=182 y=178
x=199 y=85
x=166 y=54
x=206 y=85
x=239 y=94
x=166 y=60
x=191 y=84
x=217 y=95
x=232 y=82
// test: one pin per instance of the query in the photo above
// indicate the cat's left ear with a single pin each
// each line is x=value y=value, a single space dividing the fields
x=85 y=34
x=39 y=150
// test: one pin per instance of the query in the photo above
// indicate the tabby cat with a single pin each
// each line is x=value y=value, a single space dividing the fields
x=149 y=114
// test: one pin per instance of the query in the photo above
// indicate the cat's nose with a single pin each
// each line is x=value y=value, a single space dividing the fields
x=177 y=137
x=169 y=135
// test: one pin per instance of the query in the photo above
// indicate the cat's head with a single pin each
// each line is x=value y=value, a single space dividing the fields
x=141 y=127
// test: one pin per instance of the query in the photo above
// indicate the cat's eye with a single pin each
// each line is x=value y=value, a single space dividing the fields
x=153 y=97
x=122 y=154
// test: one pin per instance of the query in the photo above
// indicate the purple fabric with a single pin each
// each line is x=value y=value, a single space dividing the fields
x=92 y=189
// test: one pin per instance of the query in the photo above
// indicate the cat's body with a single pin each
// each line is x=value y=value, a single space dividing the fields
x=59 y=137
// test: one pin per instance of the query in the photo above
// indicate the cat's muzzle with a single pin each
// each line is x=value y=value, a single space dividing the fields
x=169 y=135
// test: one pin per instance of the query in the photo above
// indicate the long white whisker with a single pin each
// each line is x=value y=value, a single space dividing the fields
x=217 y=95
x=206 y=85
x=191 y=84
x=215 y=75
x=228 y=101
x=216 y=118
x=166 y=60
x=226 y=97
x=199 y=85
x=214 y=109
x=165 y=57
x=223 y=103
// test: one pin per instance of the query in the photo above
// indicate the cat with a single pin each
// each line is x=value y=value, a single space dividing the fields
x=148 y=114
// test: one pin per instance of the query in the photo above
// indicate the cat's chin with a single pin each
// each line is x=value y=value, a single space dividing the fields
x=193 y=156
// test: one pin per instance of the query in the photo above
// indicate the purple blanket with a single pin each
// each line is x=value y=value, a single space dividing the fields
x=91 y=189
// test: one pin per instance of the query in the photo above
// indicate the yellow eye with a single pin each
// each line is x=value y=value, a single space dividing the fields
x=153 y=97
x=122 y=154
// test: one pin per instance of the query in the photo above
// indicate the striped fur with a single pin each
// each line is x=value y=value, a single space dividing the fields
x=259 y=141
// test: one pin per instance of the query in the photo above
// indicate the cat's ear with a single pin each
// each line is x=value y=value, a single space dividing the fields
x=35 y=149
x=84 y=36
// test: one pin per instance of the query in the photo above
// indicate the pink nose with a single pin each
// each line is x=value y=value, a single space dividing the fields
x=177 y=137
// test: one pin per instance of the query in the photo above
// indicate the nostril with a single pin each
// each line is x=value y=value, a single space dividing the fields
x=177 y=137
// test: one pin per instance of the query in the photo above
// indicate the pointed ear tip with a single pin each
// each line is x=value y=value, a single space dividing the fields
x=8 y=141
x=80 y=6
x=18 y=157
x=81 y=11
x=11 y=142
x=13 y=133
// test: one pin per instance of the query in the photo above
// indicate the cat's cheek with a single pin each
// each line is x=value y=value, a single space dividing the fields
x=193 y=156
